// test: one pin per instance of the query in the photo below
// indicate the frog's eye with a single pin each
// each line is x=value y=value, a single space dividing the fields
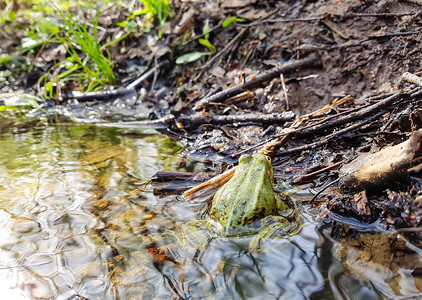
x=268 y=158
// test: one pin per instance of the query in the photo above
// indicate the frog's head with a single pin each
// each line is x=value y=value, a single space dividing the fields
x=258 y=162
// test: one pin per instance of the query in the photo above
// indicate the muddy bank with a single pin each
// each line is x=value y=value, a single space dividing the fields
x=348 y=102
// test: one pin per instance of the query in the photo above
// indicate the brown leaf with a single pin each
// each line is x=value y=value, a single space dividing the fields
x=374 y=170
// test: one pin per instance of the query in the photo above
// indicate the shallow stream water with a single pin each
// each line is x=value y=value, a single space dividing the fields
x=79 y=220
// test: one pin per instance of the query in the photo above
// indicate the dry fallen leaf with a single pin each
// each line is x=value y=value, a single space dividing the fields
x=375 y=170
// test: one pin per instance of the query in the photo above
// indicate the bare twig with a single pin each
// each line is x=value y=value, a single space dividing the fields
x=312 y=174
x=241 y=97
x=273 y=143
x=283 y=85
x=393 y=34
x=144 y=76
x=279 y=20
x=382 y=14
x=164 y=121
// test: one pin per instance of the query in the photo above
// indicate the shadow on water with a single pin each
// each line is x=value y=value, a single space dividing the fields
x=79 y=219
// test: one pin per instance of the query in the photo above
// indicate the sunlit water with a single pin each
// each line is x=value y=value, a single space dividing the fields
x=79 y=220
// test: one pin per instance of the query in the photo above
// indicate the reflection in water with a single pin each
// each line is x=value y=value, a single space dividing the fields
x=76 y=223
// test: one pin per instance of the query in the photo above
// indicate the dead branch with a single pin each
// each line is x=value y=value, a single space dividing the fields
x=112 y=94
x=102 y=95
x=382 y=15
x=266 y=76
x=361 y=15
x=192 y=122
x=144 y=76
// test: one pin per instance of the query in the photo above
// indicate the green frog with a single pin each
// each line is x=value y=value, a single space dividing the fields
x=245 y=205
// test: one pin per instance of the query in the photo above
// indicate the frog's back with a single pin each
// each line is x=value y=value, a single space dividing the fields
x=248 y=196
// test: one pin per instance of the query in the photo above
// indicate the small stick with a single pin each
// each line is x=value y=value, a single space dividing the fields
x=323 y=189
x=241 y=97
x=282 y=21
x=166 y=120
x=393 y=34
x=283 y=84
x=154 y=79
x=312 y=174
x=209 y=185
x=170 y=176
x=279 y=20
x=382 y=14
x=360 y=114
x=335 y=28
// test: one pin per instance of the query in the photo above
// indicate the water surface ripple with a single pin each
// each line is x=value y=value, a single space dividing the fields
x=77 y=223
